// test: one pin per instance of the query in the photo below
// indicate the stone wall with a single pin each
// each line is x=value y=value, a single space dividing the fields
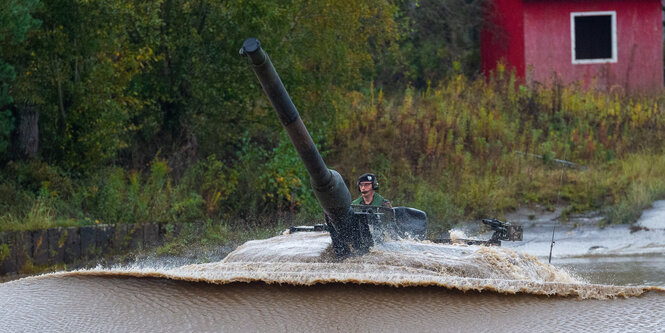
x=27 y=251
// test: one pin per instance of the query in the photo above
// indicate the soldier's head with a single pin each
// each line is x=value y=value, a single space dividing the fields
x=367 y=182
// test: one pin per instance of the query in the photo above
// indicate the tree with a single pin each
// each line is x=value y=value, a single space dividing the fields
x=121 y=81
x=15 y=22
x=74 y=73
x=441 y=38
x=203 y=96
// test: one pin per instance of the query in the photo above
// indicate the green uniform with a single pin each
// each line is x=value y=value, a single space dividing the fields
x=378 y=201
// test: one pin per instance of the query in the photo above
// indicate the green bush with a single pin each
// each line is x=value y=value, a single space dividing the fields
x=214 y=182
x=189 y=209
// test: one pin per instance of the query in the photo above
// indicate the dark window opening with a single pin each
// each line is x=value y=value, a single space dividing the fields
x=593 y=37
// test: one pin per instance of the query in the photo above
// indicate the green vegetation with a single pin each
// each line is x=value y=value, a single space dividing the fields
x=208 y=236
x=464 y=150
x=126 y=111
x=4 y=252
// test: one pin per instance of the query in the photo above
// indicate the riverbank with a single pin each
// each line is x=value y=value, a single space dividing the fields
x=618 y=254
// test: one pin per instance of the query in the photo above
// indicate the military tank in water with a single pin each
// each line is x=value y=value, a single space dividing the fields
x=353 y=229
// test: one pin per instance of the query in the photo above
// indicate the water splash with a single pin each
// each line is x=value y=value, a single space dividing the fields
x=456 y=234
x=306 y=259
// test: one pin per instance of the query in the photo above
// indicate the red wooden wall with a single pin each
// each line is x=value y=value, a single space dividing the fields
x=503 y=37
x=534 y=36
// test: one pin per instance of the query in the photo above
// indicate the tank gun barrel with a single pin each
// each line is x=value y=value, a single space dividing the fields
x=286 y=111
x=328 y=185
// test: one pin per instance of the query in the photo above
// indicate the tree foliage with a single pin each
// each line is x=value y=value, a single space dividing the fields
x=16 y=19
x=76 y=69
x=440 y=39
x=123 y=83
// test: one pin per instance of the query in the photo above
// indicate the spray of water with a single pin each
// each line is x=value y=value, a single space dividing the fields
x=306 y=259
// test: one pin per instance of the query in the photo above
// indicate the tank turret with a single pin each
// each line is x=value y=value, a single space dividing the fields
x=349 y=229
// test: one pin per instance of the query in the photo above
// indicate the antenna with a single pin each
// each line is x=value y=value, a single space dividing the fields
x=549 y=261
x=558 y=200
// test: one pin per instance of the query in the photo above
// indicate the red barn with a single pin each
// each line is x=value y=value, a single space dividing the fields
x=607 y=43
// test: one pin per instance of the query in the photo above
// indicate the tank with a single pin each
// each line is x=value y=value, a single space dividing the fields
x=353 y=230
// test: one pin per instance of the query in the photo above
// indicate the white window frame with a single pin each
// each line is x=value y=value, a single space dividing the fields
x=614 y=58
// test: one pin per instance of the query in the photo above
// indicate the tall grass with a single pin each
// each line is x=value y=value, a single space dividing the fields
x=465 y=149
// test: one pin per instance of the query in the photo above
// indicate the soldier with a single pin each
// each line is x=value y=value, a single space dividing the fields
x=368 y=185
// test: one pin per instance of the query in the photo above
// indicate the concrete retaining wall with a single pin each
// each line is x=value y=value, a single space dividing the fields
x=25 y=251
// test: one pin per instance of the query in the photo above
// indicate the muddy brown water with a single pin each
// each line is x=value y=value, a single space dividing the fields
x=121 y=304
x=292 y=283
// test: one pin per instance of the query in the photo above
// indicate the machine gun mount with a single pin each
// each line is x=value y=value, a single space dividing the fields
x=503 y=231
